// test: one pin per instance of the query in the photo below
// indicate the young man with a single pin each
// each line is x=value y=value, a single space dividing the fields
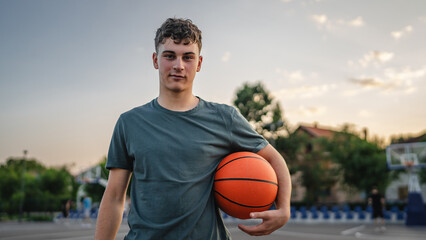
x=377 y=201
x=172 y=146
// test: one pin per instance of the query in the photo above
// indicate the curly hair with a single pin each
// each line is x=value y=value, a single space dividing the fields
x=178 y=30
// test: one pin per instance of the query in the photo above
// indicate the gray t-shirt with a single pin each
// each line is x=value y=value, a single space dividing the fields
x=173 y=156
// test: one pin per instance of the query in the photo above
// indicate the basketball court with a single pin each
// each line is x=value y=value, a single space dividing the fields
x=292 y=231
x=400 y=156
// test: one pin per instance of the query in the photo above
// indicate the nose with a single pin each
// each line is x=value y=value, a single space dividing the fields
x=178 y=65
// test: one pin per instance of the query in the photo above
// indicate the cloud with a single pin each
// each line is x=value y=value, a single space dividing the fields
x=295 y=76
x=308 y=111
x=406 y=73
x=226 y=57
x=422 y=19
x=357 y=22
x=382 y=56
x=323 y=22
x=320 y=19
x=367 y=82
x=373 y=57
x=393 y=80
x=400 y=33
x=304 y=91
x=370 y=83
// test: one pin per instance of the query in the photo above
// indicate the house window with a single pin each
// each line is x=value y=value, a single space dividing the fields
x=309 y=148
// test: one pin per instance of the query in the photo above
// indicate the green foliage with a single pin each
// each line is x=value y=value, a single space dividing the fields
x=257 y=105
x=362 y=163
x=56 y=181
x=44 y=188
x=323 y=162
x=290 y=147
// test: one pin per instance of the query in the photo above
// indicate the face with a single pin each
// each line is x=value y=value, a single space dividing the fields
x=177 y=65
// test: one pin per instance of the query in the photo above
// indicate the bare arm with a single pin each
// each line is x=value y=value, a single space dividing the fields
x=112 y=204
x=273 y=219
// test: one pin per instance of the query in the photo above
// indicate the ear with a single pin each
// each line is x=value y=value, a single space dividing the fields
x=155 y=60
x=200 y=60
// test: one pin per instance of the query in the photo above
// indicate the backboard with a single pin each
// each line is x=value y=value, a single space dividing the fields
x=406 y=155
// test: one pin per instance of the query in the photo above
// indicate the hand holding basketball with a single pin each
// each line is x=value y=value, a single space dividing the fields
x=272 y=220
x=245 y=183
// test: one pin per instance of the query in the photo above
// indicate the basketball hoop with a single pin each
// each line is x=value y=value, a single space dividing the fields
x=406 y=155
x=409 y=156
x=408 y=164
x=85 y=180
x=409 y=160
x=412 y=157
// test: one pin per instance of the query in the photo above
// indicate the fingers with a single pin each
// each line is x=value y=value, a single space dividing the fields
x=262 y=215
x=271 y=221
x=258 y=230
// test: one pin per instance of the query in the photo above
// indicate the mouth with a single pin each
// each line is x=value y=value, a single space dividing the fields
x=176 y=76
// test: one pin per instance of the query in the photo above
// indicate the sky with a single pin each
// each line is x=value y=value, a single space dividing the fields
x=68 y=69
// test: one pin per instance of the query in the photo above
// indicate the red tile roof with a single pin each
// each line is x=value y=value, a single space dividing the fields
x=316 y=132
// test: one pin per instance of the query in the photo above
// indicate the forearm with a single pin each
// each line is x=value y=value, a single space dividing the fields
x=284 y=186
x=273 y=219
x=283 y=176
x=112 y=205
x=109 y=218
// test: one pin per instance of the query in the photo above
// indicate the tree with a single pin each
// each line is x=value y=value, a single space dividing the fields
x=310 y=157
x=362 y=163
x=45 y=188
x=258 y=106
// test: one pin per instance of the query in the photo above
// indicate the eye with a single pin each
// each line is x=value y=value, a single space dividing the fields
x=188 y=57
x=169 y=56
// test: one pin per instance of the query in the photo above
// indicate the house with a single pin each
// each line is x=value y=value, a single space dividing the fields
x=333 y=194
x=314 y=131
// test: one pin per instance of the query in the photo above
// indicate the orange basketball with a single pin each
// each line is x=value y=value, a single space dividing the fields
x=244 y=182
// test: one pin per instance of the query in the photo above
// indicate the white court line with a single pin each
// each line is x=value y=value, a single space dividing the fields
x=317 y=236
x=353 y=230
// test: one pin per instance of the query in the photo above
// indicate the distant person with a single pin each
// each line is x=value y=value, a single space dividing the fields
x=377 y=201
x=172 y=146
x=87 y=206
x=66 y=206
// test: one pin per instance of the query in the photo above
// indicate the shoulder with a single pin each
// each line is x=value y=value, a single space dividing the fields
x=143 y=109
x=221 y=108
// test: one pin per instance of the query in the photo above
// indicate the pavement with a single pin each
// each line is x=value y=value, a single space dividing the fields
x=77 y=230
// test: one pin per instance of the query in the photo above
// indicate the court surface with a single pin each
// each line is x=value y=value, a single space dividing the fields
x=292 y=231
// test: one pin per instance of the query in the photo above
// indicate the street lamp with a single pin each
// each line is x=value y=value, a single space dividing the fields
x=21 y=204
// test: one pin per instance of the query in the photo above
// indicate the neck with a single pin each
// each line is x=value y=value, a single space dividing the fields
x=178 y=102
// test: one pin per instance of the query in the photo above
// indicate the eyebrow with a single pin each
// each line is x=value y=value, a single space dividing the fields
x=172 y=52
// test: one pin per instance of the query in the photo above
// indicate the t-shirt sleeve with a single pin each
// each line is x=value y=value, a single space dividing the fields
x=243 y=136
x=118 y=156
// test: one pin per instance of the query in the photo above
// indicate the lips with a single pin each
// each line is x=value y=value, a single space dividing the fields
x=177 y=76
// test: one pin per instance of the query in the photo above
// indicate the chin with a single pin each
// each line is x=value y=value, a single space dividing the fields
x=176 y=89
